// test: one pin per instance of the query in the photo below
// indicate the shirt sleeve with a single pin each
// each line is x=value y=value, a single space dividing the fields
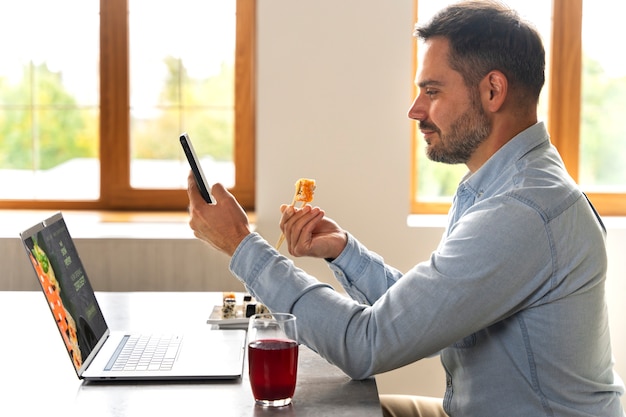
x=363 y=274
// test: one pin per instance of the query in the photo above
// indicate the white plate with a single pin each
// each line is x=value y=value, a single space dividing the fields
x=240 y=321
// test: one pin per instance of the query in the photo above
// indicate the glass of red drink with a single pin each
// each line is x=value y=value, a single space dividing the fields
x=273 y=358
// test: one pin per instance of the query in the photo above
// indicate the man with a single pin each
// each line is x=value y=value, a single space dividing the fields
x=513 y=297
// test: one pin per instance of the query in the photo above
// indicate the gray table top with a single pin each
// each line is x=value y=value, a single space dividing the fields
x=38 y=378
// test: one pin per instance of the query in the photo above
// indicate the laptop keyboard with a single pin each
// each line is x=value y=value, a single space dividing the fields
x=145 y=353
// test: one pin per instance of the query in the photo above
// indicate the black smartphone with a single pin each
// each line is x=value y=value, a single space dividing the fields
x=198 y=174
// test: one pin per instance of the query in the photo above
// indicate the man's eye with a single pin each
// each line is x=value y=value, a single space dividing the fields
x=430 y=93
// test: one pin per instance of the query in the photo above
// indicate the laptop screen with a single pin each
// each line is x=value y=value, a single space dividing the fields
x=65 y=284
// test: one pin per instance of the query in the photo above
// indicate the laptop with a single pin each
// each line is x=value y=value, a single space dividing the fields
x=98 y=353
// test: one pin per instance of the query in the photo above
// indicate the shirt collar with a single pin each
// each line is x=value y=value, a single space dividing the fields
x=509 y=154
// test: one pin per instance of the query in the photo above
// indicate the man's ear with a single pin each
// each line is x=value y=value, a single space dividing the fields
x=494 y=89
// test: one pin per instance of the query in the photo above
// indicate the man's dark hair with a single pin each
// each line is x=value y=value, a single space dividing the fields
x=485 y=36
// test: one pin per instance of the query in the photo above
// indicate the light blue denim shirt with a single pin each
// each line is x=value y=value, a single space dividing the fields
x=512 y=299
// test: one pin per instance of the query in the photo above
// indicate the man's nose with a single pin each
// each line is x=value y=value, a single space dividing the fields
x=417 y=111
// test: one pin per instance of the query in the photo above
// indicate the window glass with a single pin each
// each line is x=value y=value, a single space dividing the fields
x=602 y=127
x=182 y=57
x=437 y=182
x=49 y=95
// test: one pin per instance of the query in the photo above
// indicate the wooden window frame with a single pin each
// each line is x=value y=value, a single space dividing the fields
x=564 y=101
x=116 y=192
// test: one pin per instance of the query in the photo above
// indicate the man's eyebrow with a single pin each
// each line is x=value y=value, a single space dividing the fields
x=429 y=83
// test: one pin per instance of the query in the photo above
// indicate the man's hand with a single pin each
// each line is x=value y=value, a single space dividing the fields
x=309 y=233
x=223 y=224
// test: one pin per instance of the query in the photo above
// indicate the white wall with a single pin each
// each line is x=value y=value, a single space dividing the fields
x=334 y=85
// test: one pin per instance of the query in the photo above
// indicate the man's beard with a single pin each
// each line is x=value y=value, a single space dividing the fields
x=467 y=132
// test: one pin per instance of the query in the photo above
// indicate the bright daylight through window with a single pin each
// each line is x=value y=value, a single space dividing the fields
x=49 y=100
x=181 y=85
x=603 y=131
x=180 y=77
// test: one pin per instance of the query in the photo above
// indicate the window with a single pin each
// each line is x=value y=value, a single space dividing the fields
x=581 y=103
x=92 y=102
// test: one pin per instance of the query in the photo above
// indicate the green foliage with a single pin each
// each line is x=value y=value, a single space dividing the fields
x=201 y=107
x=41 y=125
x=603 y=131
x=437 y=181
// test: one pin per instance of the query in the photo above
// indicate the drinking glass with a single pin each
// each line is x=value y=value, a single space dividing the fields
x=273 y=358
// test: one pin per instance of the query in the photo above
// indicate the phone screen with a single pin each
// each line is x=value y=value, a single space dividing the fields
x=198 y=174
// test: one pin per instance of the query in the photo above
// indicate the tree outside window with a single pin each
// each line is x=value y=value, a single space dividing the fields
x=92 y=102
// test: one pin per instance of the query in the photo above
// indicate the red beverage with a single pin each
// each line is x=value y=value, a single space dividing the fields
x=273 y=365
